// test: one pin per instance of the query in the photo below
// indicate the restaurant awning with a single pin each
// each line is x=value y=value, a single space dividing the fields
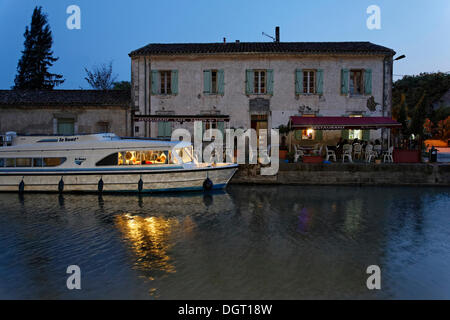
x=339 y=123
x=182 y=118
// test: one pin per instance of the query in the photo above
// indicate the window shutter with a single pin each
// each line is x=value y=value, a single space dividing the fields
x=167 y=129
x=249 y=82
x=344 y=81
x=207 y=81
x=161 y=129
x=298 y=81
x=368 y=81
x=319 y=135
x=366 y=135
x=270 y=81
x=221 y=82
x=319 y=81
x=155 y=82
x=174 y=81
x=220 y=126
x=345 y=134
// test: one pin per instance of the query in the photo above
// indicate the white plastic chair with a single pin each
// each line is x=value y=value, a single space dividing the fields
x=347 y=152
x=387 y=156
x=330 y=154
x=370 y=153
x=357 y=151
x=318 y=150
x=298 y=153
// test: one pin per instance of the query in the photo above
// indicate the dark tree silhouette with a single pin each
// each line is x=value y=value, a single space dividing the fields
x=101 y=77
x=37 y=57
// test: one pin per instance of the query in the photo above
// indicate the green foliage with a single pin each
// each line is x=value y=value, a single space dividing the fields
x=37 y=56
x=413 y=98
x=122 y=85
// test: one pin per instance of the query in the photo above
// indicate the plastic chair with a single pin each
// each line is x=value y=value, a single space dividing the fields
x=330 y=154
x=357 y=151
x=388 y=155
x=347 y=152
x=370 y=153
x=318 y=150
x=298 y=153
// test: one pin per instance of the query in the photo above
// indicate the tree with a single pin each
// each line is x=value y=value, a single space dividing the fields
x=37 y=56
x=122 y=85
x=101 y=77
x=418 y=117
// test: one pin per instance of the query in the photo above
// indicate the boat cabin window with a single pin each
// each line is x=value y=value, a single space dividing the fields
x=185 y=154
x=125 y=158
x=31 y=162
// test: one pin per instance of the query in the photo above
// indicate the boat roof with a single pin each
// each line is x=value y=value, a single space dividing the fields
x=89 y=141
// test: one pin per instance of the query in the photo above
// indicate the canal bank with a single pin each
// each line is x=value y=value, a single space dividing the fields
x=423 y=174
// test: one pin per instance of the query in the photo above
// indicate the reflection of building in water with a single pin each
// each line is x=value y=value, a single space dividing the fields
x=149 y=240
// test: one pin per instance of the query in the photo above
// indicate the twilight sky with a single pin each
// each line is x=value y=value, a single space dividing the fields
x=111 y=29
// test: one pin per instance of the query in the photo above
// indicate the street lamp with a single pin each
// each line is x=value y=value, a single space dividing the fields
x=400 y=58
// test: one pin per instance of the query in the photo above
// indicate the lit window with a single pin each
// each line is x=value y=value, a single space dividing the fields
x=309 y=81
x=260 y=82
x=166 y=82
x=356 y=82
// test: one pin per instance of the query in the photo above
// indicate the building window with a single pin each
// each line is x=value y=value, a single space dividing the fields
x=136 y=129
x=309 y=81
x=214 y=81
x=308 y=134
x=166 y=82
x=66 y=127
x=355 y=134
x=356 y=82
x=103 y=127
x=259 y=82
x=164 y=129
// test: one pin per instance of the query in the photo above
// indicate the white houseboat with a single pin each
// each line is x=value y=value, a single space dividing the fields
x=104 y=163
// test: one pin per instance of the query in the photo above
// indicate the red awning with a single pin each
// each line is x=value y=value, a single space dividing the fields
x=339 y=123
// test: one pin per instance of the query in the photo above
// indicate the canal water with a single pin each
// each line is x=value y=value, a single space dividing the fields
x=282 y=242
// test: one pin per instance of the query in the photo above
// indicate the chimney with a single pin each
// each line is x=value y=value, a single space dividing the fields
x=224 y=40
x=277 y=34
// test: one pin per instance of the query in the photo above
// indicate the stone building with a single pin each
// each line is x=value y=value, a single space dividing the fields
x=65 y=112
x=258 y=84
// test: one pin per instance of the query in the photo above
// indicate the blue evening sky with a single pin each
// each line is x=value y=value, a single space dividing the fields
x=111 y=29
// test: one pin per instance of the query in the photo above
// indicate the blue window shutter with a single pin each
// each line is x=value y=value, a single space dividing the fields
x=168 y=129
x=221 y=82
x=207 y=81
x=298 y=81
x=221 y=126
x=249 y=82
x=319 y=135
x=319 y=81
x=270 y=81
x=161 y=129
x=174 y=82
x=155 y=82
x=344 y=81
x=366 y=135
x=368 y=81
x=345 y=134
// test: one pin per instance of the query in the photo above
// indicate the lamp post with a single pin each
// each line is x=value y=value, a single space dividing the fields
x=392 y=85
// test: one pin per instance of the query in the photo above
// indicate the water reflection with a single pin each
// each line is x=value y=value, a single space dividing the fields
x=248 y=242
x=149 y=238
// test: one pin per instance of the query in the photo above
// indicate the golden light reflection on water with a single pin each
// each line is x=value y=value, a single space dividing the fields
x=149 y=240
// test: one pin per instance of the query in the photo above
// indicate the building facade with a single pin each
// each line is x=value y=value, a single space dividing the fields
x=65 y=112
x=258 y=85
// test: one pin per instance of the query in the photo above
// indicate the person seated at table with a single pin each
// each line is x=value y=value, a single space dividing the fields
x=355 y=141
x=339 y=147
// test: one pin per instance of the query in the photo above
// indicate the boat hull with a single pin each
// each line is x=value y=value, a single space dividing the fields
x=145 y=181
